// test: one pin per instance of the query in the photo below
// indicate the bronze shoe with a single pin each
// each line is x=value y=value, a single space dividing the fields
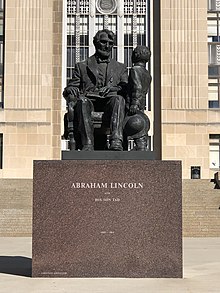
x=88 y=147
x=116 y=145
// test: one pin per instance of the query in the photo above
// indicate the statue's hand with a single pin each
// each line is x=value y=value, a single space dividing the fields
x=104 y=91
x=71 y=100
x=133 y=109
x=70 y=91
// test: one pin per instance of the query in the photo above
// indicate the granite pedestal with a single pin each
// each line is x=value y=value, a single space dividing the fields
x=102 y=218
x=108 y=155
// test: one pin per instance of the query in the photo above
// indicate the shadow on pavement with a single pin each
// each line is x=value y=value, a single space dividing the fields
x=15 y=265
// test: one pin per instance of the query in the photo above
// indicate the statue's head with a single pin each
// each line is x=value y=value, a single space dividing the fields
x=104 y=42
x=141 y=54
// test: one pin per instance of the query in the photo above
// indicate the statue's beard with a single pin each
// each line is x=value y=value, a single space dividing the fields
x=103 y=54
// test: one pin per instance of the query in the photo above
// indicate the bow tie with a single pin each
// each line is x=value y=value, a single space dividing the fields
x=99 y=60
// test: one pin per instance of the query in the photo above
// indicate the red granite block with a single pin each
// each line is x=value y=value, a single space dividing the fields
x=107 y=219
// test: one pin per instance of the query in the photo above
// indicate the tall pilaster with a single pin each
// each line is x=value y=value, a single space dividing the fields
x=120 y=21
x=184 y=54
x=57 y=78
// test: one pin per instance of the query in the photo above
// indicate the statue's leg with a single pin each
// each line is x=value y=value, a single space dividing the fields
x=115 y=111
x=71 y=126
x=65 y=121
x=141 y=143
x=84 y=109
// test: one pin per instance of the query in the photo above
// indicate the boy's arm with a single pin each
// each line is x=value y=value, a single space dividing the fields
x=136 y=94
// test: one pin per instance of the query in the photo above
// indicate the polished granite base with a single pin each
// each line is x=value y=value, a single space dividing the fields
x=108 y=155
x=102 y=218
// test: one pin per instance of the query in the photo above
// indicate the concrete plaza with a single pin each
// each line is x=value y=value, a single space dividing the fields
x=201 y=272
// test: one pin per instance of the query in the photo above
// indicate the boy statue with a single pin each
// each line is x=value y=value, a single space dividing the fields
x=136 y=123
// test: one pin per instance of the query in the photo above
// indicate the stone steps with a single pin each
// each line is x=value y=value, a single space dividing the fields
x=16 y=207
x=201 y=213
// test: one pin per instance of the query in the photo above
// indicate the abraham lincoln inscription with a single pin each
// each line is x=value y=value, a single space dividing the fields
x=111 y=185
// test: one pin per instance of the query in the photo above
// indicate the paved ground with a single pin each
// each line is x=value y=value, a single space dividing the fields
x=201 y=272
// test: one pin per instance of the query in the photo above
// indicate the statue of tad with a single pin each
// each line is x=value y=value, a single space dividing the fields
x=98 y=84
x=136 y=123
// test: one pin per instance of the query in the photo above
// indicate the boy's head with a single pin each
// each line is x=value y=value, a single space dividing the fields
x=141 y=54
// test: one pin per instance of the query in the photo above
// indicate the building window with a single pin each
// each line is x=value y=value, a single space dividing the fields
x=128 y=40
x=135 y=15
x=214 y=151
x=213 y=5
x=214 y=92
x=1 y=150
x=1 y=50
x=214 y=53
x=77 y=33
x=107 y=22
x=136 y=28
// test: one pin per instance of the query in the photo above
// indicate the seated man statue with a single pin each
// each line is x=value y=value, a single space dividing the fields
x=98 y=84
x=136 y=123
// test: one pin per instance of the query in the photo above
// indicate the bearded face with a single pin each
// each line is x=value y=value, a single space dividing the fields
x=104 y=46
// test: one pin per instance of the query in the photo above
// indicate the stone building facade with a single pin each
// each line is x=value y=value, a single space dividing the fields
x=39 y=35
x=30 y=118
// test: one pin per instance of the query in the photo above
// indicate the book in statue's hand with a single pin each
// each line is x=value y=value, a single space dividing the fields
x=94 y=95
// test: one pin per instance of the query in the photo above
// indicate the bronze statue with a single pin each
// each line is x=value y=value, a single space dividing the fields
x=98 y=84
x=136 y=123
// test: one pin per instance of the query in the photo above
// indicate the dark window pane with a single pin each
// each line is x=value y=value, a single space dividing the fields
x=216 y=39
x=71 y=56
x=213 y=104
x=128 y=39
x=141 y=39
x=84 y=52
x=213 y=70
x=214 y=136
x=125 y=39
x=114 y=53
x=116 y=40
x=71 y=40
x=69 y=75
x=129 y=60
x=84 y=40
x=127 y=56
